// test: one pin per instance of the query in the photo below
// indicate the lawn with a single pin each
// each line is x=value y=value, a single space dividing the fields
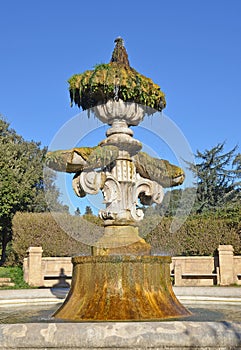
x=16 y=275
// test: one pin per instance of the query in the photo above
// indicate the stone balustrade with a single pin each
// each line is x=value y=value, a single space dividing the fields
x=223 y=269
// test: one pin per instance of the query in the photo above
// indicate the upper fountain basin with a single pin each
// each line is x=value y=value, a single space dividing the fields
x=130 y=112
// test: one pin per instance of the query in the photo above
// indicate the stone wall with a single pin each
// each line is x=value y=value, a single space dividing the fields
x=237 y=269
x=224 y=269
x=46 y=272
x=195 y=271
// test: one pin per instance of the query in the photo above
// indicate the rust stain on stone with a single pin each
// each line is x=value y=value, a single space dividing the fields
x=121 y=288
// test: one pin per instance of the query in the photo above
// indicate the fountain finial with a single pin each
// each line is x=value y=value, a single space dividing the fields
x=114 y=81
x=119 y=54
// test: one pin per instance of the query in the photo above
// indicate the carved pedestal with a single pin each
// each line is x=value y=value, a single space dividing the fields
x=122 y=189
x=121 y=288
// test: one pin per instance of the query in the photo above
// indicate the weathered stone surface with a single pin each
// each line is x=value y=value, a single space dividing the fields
x=189 y=294
x=76 y=160
x=122 y=240
x=112 y=110
x=121 y=288
x=130 y=286
x=226 y=262
x=122 y=335
x=34 y=275
x=6 y=282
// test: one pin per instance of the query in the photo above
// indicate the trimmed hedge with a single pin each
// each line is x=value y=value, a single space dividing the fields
x=59 y=234
x=197 y=236
x=66 y=235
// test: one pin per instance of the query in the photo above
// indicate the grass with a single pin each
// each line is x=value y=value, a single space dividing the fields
x=16 y=275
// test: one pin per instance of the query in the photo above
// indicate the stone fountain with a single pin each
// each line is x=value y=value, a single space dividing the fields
x=121 y=280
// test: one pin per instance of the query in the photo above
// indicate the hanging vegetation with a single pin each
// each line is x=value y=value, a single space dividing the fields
x=115 y=80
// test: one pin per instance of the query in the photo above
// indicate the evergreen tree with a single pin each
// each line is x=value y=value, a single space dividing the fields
x=77 y=212
x=47 y=195
x=216 y=178
x=88 y=210
x=175 y=201
x=237 y=164
x=170 y=202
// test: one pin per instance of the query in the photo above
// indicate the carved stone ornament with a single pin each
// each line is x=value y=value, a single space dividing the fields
x=122 y=187
x=121 y=190
x=92 y=181
x=130 y=112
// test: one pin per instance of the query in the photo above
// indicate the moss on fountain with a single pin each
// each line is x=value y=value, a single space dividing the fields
x=159 y=170
x=113 y=81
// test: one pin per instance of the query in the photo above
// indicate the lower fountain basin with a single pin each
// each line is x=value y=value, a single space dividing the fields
x=121 y=288
x=214 y=324
x=42 y=313
x=170 y=335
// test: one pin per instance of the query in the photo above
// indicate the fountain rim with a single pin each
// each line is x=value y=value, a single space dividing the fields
x=121 y=259
x=161 y=335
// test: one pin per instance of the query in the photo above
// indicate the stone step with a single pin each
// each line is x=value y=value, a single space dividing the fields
x=5 y=279
x=6 y=282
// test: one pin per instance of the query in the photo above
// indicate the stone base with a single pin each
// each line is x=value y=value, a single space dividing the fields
x=138 y=248
x=172 y=335
x=121 y=288
x=121 y=240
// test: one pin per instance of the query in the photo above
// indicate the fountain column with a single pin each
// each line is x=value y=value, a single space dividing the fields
x=123 y=186
x=121 y=191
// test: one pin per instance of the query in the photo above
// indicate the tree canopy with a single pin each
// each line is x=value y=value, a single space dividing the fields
x=22 y=186
x=216 y=176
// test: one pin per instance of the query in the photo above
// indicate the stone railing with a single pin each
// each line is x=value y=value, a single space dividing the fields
x=46 y=272
x=224 y=269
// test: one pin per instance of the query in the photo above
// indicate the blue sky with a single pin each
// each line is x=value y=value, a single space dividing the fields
x=191 y=48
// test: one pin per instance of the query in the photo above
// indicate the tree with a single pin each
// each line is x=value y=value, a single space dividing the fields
x=77 y=212
x=175 y=202
x=88 y=210
x=168 y=206
x=216 y=178
x=47 y=194
x=22 y=185
x=237 y=163
x=90 y=217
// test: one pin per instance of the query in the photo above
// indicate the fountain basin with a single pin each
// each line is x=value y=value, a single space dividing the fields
x=209 y=327
x=130 y=112
x=121 y=335
x=121 y=288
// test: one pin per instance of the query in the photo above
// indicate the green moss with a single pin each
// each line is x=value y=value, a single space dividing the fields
x=92 y=157
x=101 y=84
x=159 y=170
x=115 y=80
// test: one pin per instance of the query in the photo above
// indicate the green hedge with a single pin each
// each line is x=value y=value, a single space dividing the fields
x=197 y=236
x=66 y=235
x=59 y=235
